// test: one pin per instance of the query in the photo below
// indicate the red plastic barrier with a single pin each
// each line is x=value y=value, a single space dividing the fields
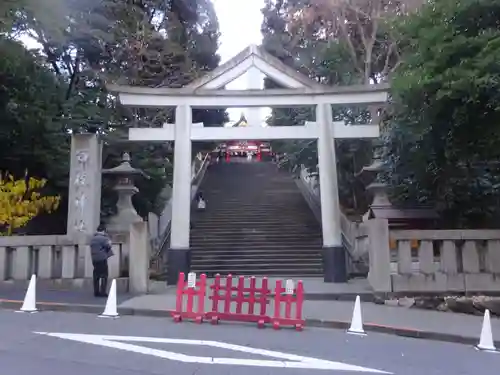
x=289 y=299
x=235 y=297
x=195 y=296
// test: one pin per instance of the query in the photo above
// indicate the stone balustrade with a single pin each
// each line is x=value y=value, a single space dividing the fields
x=51 y=257
x=433 y=260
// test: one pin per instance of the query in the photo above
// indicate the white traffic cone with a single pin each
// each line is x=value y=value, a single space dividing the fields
x=29 y=303
x=356 y=327
x=110 y=311
x=486 y=340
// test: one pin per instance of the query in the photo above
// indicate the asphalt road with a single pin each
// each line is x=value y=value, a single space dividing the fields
x=69 y=343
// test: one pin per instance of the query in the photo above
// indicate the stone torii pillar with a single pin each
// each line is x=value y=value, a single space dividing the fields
x=179 y=255
x=334 y=257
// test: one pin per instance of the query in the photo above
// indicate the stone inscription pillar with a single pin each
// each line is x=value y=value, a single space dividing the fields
x=84 y=198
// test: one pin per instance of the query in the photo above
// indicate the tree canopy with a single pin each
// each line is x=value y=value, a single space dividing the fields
x=440 y=130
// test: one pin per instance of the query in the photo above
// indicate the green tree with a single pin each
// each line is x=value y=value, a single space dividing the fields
x=444 y=141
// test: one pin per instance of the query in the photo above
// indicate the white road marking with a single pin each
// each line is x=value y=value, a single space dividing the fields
x=287 y=360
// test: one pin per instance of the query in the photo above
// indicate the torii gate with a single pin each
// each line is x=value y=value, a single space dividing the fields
x=206 y=92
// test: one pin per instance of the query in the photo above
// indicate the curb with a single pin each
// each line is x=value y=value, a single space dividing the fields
x=317 y=323
x=398 y=331
x=83 y=308
x=351 y=297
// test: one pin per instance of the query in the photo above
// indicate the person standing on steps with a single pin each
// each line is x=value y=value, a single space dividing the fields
x=201 y=203
x=100 y=248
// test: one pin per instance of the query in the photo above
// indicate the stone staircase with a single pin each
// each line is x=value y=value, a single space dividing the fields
x=256 y=223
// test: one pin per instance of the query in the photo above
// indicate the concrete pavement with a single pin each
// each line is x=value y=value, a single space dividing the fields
x=60 y=349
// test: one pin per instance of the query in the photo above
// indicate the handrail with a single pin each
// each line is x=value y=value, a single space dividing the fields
x=287 y=158
x=315 y=206
x=167 y=232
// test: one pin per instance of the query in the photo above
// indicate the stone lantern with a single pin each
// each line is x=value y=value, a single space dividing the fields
x=378 y=190
x=124 y=175
x=381 y=207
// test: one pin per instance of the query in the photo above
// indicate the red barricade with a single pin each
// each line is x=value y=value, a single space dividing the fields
x=289 y=299
x=195 y=296
x=235 y=296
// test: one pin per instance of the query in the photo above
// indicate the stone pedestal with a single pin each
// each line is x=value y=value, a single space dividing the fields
x=126 y=214
x=139 y=258
x=380 y=197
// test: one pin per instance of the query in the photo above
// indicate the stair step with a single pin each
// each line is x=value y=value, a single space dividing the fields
x=244 y=241
x=247 y=262
x=251 y=257
x=256 y=224
x=256 y=247
x=250 y=203
x=255 y=236
x=247 y=243
x=248 y=216
x=252 y=210
x=290 y=272
x=252 y=230
x=241 y=236
x=262 y=220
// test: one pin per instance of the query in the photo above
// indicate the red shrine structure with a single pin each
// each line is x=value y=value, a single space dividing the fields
x=260 y=150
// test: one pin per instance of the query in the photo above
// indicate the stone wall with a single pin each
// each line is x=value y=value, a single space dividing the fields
x=438 y=261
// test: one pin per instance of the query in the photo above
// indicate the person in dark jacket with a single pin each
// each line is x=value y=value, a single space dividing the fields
x=100 y=247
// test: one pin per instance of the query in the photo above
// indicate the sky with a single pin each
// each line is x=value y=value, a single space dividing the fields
x=239 y=22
